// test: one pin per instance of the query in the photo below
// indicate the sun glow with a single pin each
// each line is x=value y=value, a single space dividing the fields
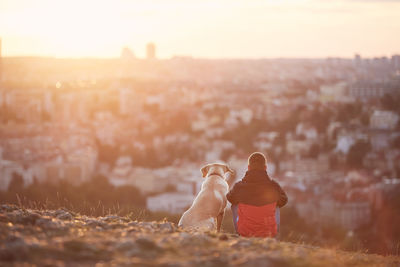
x=201 y=28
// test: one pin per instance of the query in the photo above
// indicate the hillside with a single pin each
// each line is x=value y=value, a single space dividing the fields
x=59 y=237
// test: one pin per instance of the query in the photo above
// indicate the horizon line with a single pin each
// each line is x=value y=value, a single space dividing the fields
x=193 y=57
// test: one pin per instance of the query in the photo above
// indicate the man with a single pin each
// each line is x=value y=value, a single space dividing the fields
x=255 y=200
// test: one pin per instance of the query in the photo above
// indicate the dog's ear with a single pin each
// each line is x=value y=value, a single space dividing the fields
x=204 y=170
x=227 y=169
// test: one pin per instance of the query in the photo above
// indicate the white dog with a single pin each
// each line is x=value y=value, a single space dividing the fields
x=208 y=207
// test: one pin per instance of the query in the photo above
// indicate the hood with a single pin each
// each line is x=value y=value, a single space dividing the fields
x=256 y=176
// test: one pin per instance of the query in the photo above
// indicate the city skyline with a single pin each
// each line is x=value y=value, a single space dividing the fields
x=206 y=29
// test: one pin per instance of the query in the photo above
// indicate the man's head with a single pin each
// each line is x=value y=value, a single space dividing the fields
x=257 y=161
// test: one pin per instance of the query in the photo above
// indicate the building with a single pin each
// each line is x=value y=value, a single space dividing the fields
x=74 y=173
x=375 y=161
x=170 y=202
x=10 y=168
x=380 y=139
x=344 y=143
x=349 y=215
x=396 y=62
x=122 y=170
x=348 y=136
x=129 y=102
x=334 y=92
x=150 y=51
x=127 y=54
x=307 y=130
x=307 y=168
x=298 y=147
x=7 y=170
x=383 y=119
x=146 y=180
x=357 y=60
x=1 y=71
x=365 y=90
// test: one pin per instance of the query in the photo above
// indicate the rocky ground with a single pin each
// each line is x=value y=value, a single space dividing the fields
x=60 y=237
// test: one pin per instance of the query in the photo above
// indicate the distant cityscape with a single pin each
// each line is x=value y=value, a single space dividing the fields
x=325 y=125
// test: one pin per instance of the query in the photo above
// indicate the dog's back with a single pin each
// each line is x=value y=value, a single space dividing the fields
x=210 y=201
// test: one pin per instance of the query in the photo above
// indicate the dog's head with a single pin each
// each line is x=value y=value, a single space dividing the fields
x=217 y=168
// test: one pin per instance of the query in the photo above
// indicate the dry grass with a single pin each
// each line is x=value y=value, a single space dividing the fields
x=59 y=237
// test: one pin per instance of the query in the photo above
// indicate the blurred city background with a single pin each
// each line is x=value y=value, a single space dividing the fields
x=128 y=135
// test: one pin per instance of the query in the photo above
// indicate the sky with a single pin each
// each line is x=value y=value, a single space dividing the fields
x=201 y=28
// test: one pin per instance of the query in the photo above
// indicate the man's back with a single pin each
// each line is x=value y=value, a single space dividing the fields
x=257 y=196
x=258 y=221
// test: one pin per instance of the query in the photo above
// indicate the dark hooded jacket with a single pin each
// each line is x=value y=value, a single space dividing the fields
x=257 y=196
x=257 y=189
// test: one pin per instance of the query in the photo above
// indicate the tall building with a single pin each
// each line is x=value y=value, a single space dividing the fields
x=396 y=61
x=150 y=51
x=1 y=71
x=127 y=54
x=357 y=60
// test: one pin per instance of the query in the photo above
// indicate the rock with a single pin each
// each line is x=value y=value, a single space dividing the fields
x=111 y=218
x=172 y=264
x=44 y=222
x=94 y=223
x=4 y=218
x=116 y=226
x=134 y=223
x=146 y=225
x=239 y=244
x=125 y=245
x=197 y=239
x=167 y=227
x=270 y=243
x=14 y=241
x=15 y=248
x=30 y=218
x=77 y=245
x=300 y=252
x=146 y=244
x=23 y=217
x=47 y=223
x=234 y=236
x=223 y=237
x=8 y=208
x=142 y=247
x=213 y=262
x=132 y=230
x=30 y=237
x=257 y=262
x=79 y=250
x=63 y=215
x=15 y=216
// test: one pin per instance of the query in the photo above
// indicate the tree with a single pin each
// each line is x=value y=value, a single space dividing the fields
x=348 y=112
x=108 y=153
x=365 y=119
x=396 y=142
x=314 y=151
x=321 y=119
x=357 y=153
x=170 y=188
x=390 y=102
x=16 y=183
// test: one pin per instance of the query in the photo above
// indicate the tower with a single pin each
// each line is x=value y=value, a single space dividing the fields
x=150 y=51
x=1 y=70
x=357 y=60
x=127 y=54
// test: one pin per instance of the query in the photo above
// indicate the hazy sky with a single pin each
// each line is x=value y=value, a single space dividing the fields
x=201 y=28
